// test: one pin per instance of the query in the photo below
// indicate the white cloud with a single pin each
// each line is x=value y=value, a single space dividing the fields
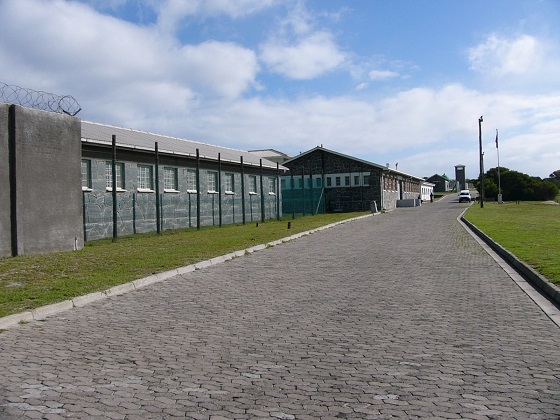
x=172 y=12
x=501 y=57
x=379 y=75
x=103 y=57
x=309 y=58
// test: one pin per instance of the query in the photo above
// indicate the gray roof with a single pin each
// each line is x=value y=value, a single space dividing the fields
x=365 y=162
x=141 y=140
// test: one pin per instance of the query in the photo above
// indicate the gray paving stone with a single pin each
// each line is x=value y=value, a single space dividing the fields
x=400 y=315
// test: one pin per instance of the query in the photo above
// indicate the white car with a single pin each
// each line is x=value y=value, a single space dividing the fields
x=465 y=195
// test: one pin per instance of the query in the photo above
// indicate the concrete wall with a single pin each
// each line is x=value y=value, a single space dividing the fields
x=5 y=224
x=47 y=181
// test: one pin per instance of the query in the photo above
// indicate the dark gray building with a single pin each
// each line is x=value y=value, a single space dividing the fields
x=323 y=181
x=188 y=184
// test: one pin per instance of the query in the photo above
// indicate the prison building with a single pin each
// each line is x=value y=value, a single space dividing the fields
x=170 y=183
x=325 y=181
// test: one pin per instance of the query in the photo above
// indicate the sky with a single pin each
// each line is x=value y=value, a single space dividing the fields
x=398 y=82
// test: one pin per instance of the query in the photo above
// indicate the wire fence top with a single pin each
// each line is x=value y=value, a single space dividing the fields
x=37 y=99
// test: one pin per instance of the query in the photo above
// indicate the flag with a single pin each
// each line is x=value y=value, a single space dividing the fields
x=496 y=138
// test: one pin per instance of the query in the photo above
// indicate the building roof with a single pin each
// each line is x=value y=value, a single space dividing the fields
x=365 y=162
x=143 y=141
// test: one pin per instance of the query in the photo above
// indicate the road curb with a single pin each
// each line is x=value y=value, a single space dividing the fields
x=538 y=281
x=44 y=311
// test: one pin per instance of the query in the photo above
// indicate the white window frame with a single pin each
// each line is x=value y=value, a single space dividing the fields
x=145 y=178
x=252 y=185
x=271 y=185
x=119 y=166
x=191 y=181
x=86 y=175
x=212 y=180
x=170 y=180
x=229 y=183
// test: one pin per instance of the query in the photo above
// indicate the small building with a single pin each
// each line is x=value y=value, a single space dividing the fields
x=324 y=181
x=441 y=182
x=426 y=190
x=185 y=184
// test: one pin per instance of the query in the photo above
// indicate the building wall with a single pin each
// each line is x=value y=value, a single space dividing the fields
x=45 y=165
x=345 y=198
x=178 y=207
x=5 y=223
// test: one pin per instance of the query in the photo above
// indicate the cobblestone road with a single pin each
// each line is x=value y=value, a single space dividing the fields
x=397 y=315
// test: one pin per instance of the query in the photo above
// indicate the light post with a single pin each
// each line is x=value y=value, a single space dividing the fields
x=481 y=177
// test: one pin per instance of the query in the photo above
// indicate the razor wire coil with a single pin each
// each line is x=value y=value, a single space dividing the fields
x=37 y=99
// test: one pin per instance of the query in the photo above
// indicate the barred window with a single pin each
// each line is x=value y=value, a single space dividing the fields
x=252 y=184
x=145 y=177
x=86 y=174
x=271 y=185
x=170 y=179
x=228 y=183
x=212 y=179
x=119 y=169
x=191 y=180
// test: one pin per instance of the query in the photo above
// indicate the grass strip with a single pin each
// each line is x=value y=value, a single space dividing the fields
x=529 y=230
x=30 y=281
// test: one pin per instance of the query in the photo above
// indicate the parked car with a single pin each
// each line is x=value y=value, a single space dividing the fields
x=465 y=195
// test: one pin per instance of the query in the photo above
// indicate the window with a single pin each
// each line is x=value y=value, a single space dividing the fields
x=329 y=181
x=191 y=180
x=337 y=181
x=356 y=179
x=252 y=184
x=119 y=169
x=212 y=180
x=170 y=179
x=145 y=177
x=271 y=185
x=300 y=183
x=228 y=183
x=86 y=175
x=366 y=179
x=318 y=182
x=347 y=180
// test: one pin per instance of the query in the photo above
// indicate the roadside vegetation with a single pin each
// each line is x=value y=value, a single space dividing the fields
x=529 y=230
x=30 y=281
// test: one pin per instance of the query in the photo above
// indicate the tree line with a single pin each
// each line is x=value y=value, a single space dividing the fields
x=517 y=186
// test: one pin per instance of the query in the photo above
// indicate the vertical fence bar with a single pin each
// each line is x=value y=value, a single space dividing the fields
x=84 y=217
x=277 y=191
x=262 y=192
x=243 y=191
x=114 y=184
x=133 y=212
x=197 y=189
x=220 y=188
x=158 y=213
x=311 y=190
x=13 y=176
x=292 y=192
x=303 y=190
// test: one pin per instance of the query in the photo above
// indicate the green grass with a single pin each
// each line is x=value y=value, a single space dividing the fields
x=529 y=230
x=27 y=282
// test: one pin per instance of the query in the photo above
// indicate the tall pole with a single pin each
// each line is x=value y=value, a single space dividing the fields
x=499 y=182
x=481 y=176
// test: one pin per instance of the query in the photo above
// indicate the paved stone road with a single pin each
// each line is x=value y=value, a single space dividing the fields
x=397 y=315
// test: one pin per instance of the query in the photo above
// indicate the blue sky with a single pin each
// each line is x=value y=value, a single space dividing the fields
x=392 y=81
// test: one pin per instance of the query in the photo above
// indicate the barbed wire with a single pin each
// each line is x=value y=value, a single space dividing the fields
x=37 y=99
